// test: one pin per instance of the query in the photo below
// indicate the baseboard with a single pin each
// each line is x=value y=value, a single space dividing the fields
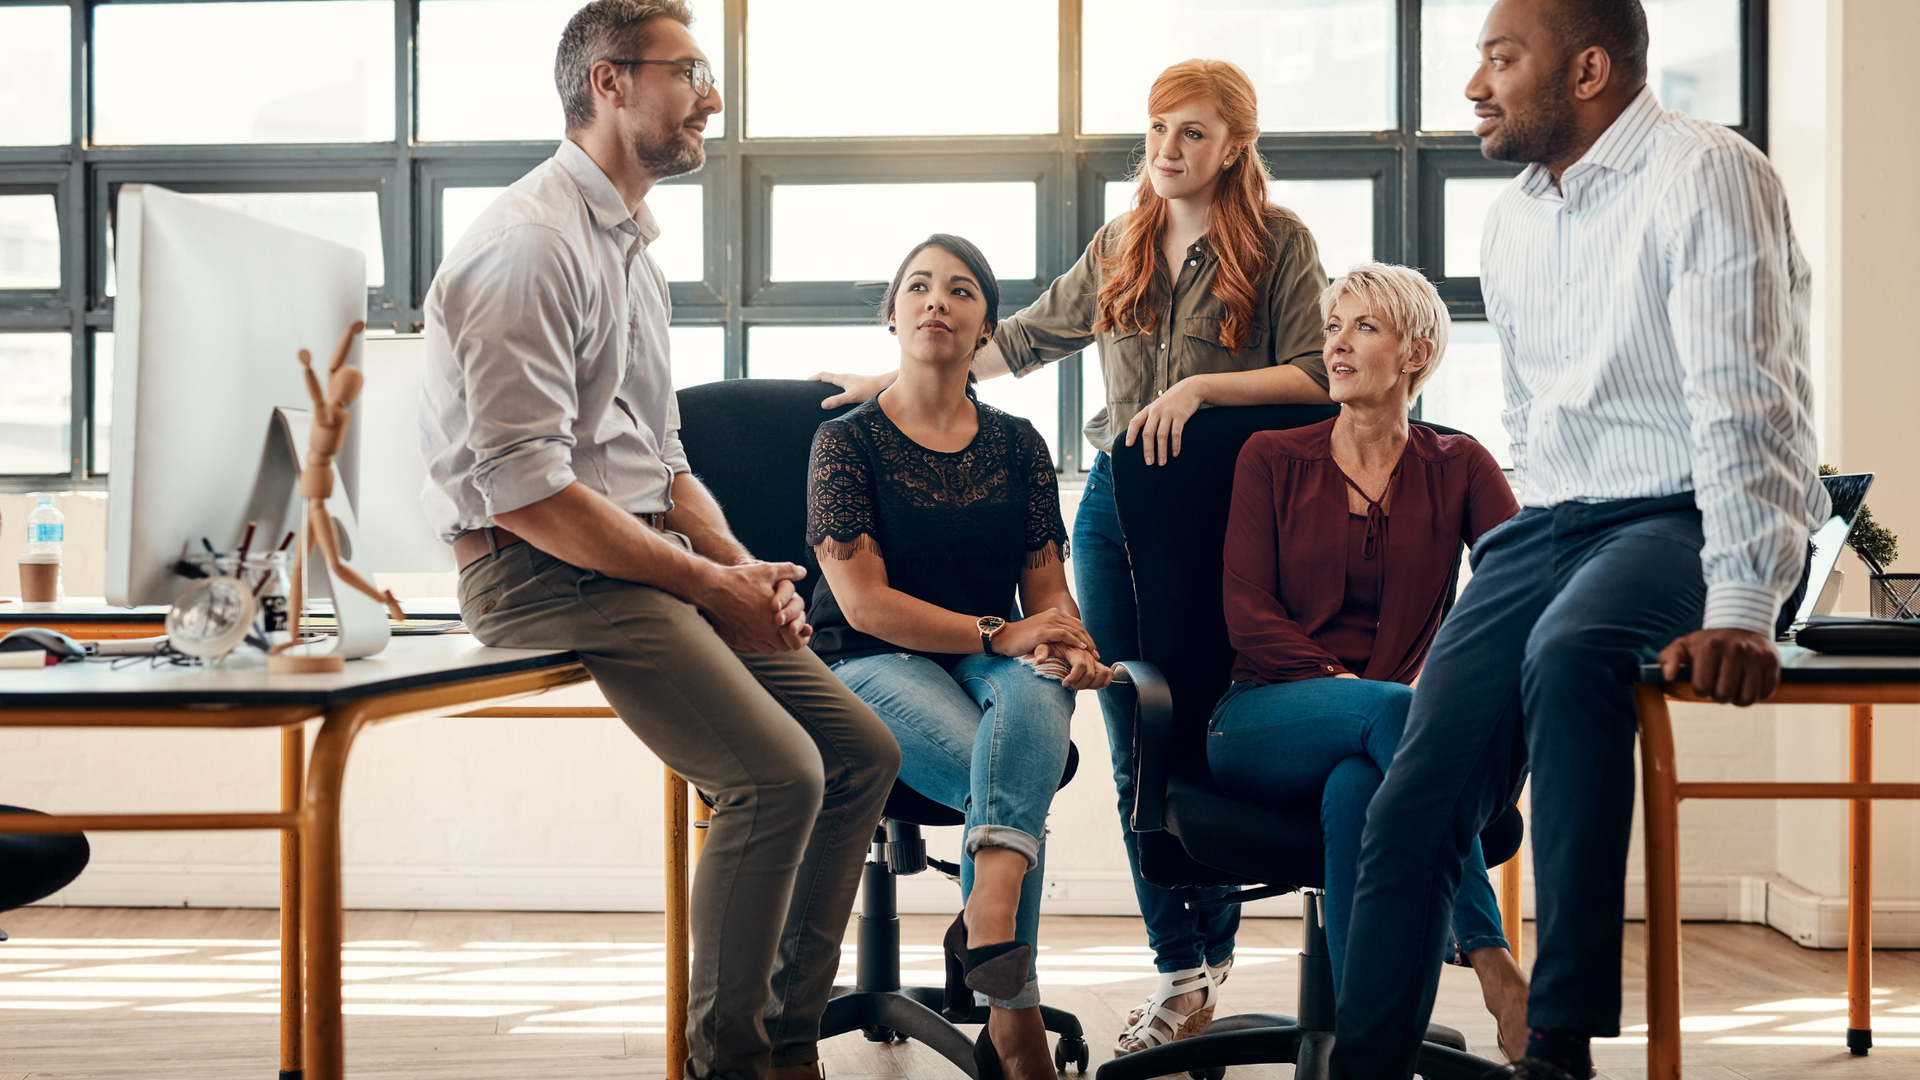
x=1820 y=922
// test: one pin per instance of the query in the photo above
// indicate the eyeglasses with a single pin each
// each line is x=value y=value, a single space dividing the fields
x=698 y=73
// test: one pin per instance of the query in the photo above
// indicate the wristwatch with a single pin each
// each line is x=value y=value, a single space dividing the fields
x=989 y=626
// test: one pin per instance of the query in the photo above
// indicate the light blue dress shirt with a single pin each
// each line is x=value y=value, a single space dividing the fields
x=1652 y=315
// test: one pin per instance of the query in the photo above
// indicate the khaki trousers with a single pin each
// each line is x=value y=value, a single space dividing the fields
x=798 y=768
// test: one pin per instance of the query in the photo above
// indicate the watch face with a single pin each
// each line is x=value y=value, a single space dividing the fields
x=991 y=624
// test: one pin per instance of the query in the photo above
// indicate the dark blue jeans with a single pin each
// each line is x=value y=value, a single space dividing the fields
x=1531 y=671
x=1333 y=739
x=1103 y=580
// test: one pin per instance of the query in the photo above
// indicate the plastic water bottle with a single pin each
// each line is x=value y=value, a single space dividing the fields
x=46 y=529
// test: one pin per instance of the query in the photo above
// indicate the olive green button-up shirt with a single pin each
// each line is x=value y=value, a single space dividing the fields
x=1139 y=365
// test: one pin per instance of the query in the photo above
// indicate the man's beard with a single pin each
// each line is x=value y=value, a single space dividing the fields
x=1542 y=133
x=669 y=155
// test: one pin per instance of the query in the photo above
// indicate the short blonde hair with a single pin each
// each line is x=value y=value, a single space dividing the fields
x=1408 y=300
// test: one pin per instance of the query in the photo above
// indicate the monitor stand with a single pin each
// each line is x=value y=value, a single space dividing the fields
x=363 y=629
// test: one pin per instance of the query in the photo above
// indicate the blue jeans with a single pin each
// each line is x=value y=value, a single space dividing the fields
x=990 y=739
x=1531 y=671
x=1103 y=579
x=1333 y=738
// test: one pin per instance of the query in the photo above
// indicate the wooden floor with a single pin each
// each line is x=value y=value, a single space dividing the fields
x=99 y=993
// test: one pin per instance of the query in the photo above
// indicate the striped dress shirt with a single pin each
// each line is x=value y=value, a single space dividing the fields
x=1652 y=316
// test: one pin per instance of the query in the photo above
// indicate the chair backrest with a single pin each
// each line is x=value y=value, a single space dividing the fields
x=1174 y=517
x=749 y=440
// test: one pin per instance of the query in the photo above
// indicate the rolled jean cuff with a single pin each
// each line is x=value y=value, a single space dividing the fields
x=1027 y=998
x=1478 y=941
x=1002 y=836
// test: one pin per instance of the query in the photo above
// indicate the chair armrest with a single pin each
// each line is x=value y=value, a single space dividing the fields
x=1152 y=742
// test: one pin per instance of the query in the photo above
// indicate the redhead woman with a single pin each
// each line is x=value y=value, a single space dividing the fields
x=1340 y=548
x=1202 y=294
x=930 y=511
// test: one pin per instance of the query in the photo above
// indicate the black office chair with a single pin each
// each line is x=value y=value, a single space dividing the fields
x=1191 y=834
x=749 y=440
x=34 y=866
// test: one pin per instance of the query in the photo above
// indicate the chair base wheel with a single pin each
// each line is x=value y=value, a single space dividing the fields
x=1071 y=1050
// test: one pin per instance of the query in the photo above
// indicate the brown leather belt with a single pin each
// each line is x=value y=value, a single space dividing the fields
x=470 y=546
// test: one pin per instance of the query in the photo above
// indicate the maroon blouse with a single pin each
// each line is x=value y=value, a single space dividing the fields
x=1291 y=542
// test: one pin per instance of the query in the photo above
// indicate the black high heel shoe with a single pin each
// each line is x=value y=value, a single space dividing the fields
x=998 y=970
x=986 y=1058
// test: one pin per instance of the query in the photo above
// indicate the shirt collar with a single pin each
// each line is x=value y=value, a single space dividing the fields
x=609 y=210
x=1621 y=148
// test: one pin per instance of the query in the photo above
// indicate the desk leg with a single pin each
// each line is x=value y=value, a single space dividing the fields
x=293 y=762
x=1860 y=888
x=1511 y=923
x=678 y=937
x=1661 y=806
x=320 y=895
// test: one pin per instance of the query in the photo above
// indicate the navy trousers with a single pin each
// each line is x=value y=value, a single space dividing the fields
x=1531 y=671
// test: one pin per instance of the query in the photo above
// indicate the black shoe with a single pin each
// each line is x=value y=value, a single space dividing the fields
x=986 y=1058
x=998 y=970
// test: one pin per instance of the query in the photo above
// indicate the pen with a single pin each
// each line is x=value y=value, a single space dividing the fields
x=211 y=550
x=246 y=542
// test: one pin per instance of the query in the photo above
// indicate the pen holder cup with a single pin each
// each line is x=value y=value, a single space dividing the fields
x=1894 y=596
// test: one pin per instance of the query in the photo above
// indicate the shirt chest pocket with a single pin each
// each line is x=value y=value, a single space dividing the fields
x=1202 y=354
x=1129 y=365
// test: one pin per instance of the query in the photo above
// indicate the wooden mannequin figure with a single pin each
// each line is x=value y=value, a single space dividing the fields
x=327 y=434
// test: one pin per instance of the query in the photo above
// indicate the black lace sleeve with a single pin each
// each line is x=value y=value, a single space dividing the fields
x=1046 y=530
x=840 y=497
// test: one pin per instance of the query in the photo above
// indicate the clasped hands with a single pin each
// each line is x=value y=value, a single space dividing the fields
x=755 y=606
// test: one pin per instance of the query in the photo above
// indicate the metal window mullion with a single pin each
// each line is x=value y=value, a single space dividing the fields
x=731 y=215
x=1405 y=235
x=73 y=223
x=396 y=303
x=1066 y=229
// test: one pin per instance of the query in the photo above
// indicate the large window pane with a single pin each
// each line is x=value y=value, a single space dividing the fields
x=902 y=67
x=1339 y=213
x=699 y=354
x=1693 y=59
x=302 y=71
x=35 y=76
x=486 y=66
x=795 y=352
x=29 y=242
x=344 y=217
x=102 y=400
x=35 y=412
x=860 y=232
x=1093 y=398
x=1316 y=65
x=1467 y=203
x=678 y=208
x=1465 y=392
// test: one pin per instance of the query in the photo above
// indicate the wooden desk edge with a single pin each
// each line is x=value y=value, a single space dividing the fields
x=1816 y=693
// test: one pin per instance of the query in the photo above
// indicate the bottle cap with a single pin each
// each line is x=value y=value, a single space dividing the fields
x=40 y=557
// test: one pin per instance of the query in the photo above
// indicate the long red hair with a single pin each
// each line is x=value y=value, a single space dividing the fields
x=1236 y=223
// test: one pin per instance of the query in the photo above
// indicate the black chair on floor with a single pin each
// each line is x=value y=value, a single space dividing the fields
x=35 y=866
x=1191 y=834
x=749 y=440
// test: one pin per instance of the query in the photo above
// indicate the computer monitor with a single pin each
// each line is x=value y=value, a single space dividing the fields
x=1848 y=491
x=213 y=309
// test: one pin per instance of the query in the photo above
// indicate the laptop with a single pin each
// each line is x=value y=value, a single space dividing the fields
x=1847 y=491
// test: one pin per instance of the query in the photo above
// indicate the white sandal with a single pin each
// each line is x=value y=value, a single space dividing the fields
x=1219 y=975
x=1158 y=1025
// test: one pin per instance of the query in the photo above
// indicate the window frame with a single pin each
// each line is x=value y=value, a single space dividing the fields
x=1408 y=167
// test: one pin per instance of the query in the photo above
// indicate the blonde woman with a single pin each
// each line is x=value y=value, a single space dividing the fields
x=1339 y=550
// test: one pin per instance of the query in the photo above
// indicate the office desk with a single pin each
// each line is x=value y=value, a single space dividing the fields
x=1807 y=678
x=412 y=676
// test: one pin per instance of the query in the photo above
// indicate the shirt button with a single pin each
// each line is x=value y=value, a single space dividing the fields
x=1163 y=345
x=1193 y=262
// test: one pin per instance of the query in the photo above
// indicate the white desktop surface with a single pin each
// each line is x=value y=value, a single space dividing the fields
x=406 y=663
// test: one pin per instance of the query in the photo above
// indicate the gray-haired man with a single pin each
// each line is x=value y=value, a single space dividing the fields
x=555 y=468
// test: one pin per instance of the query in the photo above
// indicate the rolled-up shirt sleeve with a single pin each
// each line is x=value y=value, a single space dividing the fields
x=672 y=454
x=513 y=333
x=1058 y=324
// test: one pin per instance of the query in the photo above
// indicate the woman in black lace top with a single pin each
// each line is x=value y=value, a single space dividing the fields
x=930 y=511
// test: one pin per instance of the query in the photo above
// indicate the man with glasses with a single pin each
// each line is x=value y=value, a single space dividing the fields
x=555 y=469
